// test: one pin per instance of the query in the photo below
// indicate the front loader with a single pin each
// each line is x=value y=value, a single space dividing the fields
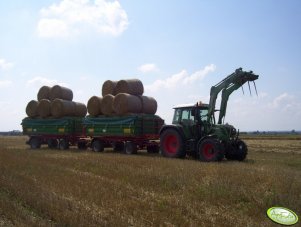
x=194 y=130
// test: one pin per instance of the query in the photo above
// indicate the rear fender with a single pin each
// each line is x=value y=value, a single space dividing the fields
x=178 y=128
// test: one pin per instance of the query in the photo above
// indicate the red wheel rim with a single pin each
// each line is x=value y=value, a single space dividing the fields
x=208 y=151
x=171 y=144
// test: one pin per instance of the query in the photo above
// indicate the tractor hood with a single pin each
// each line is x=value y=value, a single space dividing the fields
x=223 y=131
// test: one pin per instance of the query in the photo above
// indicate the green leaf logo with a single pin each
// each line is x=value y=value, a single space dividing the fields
x=282 y=215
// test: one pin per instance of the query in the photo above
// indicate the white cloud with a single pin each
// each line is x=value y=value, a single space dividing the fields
x=180 y=79
x=72 y=17
x=281 y=100
x=40 y=81
x=5 y=83
x=5 y=65
x=146 y=68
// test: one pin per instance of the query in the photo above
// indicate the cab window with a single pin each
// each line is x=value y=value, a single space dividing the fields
x=187 y=117
x=176 y=117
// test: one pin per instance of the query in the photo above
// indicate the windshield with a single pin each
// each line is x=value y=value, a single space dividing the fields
x=203 y=114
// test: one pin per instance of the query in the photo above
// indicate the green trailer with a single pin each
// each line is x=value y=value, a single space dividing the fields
x=56 y=133
x=124 y=133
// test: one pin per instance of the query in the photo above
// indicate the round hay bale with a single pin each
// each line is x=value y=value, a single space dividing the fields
x=107 y=104
x=31 y=108
x=94 y=106
x=62 y=108
x=149 y=105
x=80 y=109
x=126 y=103
x=109 y=87
x=44 y=108
x=44 y=93
x=60 y=92
x=131 y=86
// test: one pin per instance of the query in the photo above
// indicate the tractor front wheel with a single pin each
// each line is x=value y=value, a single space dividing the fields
x=237 y=151
x=210 y=150
x=172 y=144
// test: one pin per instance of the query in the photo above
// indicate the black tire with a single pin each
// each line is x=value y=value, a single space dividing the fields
x=153 y=149
x=52 y=143
x=118 y=146
x=210 y=150
x=130 y=148
x=97 y=146
x=172 y=144
x=64 y=144
x=237 y=151
x=35 y=143
x=82 y=145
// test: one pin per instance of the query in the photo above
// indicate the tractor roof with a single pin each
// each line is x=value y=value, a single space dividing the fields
x=191 y=105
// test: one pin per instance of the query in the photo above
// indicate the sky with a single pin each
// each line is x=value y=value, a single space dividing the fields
x=178 y=49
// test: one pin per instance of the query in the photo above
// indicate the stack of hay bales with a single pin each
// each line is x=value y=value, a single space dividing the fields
x=123 y=97
x=55 y=102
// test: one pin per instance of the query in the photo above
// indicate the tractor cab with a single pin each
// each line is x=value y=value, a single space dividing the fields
x=192 y=118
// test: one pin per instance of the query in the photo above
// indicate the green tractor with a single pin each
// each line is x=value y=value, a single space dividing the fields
x=194 y=131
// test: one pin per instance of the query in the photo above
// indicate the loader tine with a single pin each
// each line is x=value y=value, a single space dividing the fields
x=242 y=88
x=255 y=88
x=249 y=88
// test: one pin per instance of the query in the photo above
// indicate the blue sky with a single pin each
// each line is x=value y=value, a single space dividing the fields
x=179 y=49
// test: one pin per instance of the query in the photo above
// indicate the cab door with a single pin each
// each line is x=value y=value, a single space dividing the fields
x=188 y=123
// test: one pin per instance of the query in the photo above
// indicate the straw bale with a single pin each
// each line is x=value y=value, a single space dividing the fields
x=44 y=93
x=44 y=108
x=107 y=105
x=94 y=106
x=60 y=92
x=62 y=108
x=149 y=105
x=131 y=86
x=31 y=108
x=126 y=103
x=80 y=109
x=109 y=87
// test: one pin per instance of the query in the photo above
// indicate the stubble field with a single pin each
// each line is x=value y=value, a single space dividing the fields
x=82 y=188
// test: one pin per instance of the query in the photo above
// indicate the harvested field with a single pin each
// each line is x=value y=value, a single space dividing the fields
x=81 y=188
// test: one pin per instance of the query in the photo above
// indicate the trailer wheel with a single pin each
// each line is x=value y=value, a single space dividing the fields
x=52 y=143
x=210 y=150
x=82 y=145
x=63 y=144
x=118 y=146
x=172 y=144
x=35 y=143
x=97 y=146
x=152 y=149
x=130 y=147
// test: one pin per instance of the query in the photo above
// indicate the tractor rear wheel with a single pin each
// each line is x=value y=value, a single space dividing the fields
x=172 y=144
x=210 y=150
x=238 y=151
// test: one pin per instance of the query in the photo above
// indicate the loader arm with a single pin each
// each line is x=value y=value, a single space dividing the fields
x=228 y=85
